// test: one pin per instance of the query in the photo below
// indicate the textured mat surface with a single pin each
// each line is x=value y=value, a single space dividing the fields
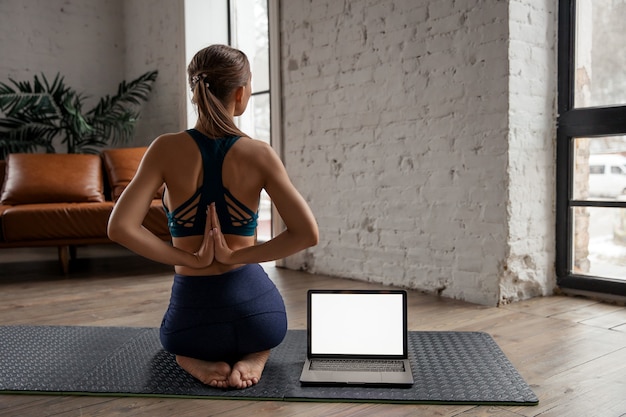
x=448 y=367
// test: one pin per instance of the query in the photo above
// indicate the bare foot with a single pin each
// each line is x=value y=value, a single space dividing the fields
x=215 y=374
x=247 y=372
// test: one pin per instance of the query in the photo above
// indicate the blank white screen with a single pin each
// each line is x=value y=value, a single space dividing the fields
x=360 y=324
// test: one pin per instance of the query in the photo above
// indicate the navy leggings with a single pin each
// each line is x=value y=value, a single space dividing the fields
x=224 y=317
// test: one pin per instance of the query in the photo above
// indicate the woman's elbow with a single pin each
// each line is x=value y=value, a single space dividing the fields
x=115 y=231
x=303 y=238
x=313 y=236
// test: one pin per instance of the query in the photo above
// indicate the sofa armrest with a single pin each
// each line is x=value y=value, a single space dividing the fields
x=3 y=165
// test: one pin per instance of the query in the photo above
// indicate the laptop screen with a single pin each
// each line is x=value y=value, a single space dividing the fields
x=357 y=323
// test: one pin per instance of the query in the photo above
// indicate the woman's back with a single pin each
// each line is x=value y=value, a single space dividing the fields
x=190 y=186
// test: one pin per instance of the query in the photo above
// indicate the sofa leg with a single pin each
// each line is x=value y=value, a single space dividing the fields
x=64 y=258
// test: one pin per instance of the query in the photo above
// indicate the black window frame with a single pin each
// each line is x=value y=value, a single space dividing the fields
x=575 y=123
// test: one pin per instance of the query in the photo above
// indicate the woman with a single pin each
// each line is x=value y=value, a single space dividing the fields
x=225 y=314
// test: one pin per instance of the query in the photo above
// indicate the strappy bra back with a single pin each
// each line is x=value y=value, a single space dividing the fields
x=189 y=219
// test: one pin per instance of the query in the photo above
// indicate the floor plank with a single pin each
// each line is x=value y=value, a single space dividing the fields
x=571 y=350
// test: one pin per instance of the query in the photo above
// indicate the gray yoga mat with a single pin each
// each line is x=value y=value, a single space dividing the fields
x=448 y=367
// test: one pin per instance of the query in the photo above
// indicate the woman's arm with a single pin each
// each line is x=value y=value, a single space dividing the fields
x=125 y=223
x=301 y=228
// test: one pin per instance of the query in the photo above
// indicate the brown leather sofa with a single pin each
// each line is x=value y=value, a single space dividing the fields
x=65 y=200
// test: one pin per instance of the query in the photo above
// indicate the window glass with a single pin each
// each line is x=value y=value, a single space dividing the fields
x=206 y=23
x=600 y=79
x=256 y=120
x=600 y=168
x=600 y=242
x=250 y=33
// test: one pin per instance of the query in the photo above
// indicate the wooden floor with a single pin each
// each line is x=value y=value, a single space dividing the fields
x=572 y=351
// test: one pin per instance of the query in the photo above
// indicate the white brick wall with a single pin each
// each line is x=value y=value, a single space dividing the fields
x=406 y=132
x=529 y=266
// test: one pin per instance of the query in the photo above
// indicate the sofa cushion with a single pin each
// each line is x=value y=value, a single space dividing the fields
x=52 y=178
x=34 y=222
x=68 y=221
x=121 y=165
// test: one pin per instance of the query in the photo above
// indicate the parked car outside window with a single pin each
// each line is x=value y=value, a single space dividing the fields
x=607 y=175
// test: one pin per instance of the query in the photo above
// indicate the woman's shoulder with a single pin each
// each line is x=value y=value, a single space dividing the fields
x=171 y=139
x=171 y=147
x=253 y=147
x=256 y=150
x=172 y=143
x=257 y=153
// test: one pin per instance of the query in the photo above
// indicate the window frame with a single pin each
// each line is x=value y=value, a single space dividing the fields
x=575 y=123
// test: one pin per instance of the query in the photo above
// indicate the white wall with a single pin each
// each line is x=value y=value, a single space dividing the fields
x=404 y=131
x=95 y=44
x=81 y=40
x=155 y=39
x=529 y=265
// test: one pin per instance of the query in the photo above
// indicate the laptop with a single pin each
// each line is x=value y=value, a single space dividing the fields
x=356 y=337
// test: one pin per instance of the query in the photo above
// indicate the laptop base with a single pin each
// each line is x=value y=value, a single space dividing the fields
x=327 y=378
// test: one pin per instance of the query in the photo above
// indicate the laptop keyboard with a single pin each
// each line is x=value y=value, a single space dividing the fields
x=357 y=365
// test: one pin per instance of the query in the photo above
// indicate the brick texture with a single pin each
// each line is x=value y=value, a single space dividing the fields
x=425 y=157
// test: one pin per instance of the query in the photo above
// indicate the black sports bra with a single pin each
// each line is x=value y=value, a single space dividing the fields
x=189 y=219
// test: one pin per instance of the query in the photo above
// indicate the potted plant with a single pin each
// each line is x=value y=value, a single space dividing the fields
x=36 y=113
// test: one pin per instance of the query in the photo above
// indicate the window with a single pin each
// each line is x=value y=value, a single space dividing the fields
x=591 y=147
x=250 y=33
x=243 y=24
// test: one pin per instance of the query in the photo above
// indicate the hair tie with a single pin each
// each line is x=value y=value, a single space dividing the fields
x=196 y=78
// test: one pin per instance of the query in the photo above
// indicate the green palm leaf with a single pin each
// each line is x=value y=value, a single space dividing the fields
x=36 y=113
